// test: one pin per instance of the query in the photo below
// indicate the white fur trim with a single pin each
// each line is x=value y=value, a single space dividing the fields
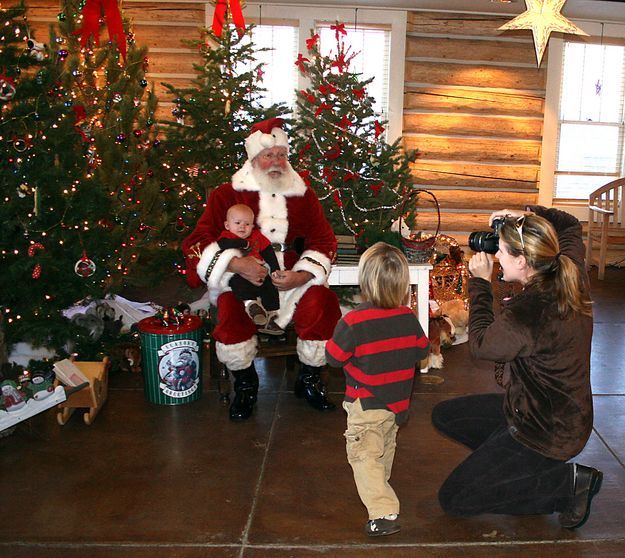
x=311 y=352
x=272 y=216
x=257 y=142
x=244 y=181
x=320 y=273
x=238 y=355
x=219 y=277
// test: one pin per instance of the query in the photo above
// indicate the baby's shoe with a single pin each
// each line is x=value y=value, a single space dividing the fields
x=271 y=327
x=256 y=312
x=386 y=525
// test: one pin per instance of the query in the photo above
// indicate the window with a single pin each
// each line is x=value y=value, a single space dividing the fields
x=276 y=47
x=591 y=126
x=372 y=47
x=380 y=38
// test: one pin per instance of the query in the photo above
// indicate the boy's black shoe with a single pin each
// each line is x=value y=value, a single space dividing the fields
x=586 y=484
x=379 y=527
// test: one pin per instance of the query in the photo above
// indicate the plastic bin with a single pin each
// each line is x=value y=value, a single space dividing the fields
x=172 y=364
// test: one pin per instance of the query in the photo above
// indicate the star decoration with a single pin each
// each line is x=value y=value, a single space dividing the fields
x=543 y=17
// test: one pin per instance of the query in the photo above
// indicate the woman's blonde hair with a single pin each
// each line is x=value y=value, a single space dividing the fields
x=383 y=276
x=535 y=238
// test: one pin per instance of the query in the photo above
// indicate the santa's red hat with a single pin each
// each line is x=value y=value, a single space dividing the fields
x=264 y=135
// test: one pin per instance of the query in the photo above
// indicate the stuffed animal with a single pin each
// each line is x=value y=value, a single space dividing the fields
x=457 y=312
x=442 y=334
x=127 y=357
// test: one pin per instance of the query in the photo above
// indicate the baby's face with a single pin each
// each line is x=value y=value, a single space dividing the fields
x=240 y=223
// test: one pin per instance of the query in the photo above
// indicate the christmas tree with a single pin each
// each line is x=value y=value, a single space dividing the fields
x=206 y=144
x=360 y=179
x=85 y=212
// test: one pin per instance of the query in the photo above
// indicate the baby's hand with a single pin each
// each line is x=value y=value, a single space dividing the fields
x=277 y=274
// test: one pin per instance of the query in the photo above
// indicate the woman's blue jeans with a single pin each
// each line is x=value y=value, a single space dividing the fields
x=501 y=475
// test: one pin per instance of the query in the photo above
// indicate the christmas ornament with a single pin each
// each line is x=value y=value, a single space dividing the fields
x=84 y=266
x=32 y=250
x=11 y=398
x=543 y=17
x=7 y=88
x=40 y=386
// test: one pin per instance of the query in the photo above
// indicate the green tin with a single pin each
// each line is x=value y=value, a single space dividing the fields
x=172 y=367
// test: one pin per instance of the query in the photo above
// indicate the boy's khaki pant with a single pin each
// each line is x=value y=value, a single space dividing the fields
x=371 y=441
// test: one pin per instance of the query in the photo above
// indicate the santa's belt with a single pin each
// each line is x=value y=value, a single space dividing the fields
x=281 y=246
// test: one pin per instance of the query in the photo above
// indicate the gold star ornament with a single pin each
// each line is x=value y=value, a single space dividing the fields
x=543 y=17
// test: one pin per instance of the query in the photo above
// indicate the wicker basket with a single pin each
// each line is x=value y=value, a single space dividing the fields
x=418 y=247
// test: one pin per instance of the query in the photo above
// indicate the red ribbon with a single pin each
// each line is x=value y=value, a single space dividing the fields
x=312 y=42
x=91 y=23
x=219 y=17
x=301 y=63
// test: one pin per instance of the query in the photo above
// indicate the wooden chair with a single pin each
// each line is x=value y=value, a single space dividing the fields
x=606 y=221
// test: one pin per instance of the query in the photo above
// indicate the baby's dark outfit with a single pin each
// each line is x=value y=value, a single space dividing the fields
x=258 y=246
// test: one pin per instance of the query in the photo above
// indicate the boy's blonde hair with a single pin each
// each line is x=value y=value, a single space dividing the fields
x=383 y=276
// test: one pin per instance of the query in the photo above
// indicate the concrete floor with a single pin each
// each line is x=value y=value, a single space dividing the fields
x=157 y=481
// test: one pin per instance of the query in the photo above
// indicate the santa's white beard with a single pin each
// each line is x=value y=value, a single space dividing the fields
x=270 y=184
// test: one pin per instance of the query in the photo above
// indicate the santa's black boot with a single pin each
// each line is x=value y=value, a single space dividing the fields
x=310 y=386
x=245 y=392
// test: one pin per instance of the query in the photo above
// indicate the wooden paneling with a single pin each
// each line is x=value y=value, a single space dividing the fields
x=441 y=23
x=497 y=52
x=493 y=77
x=474 y=102
x=480 y=125
x=463 y=175
x=471 y=149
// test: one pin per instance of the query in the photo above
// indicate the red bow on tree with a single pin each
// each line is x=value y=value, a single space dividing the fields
x=339 y=28
x=321 y=108
x=219 y=17
x=312 y=42
x=325 y=89
x=301 y=63
x=91 y=23
x=378 y=129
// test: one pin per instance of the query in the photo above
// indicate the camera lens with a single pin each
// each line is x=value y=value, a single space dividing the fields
x=484 y=241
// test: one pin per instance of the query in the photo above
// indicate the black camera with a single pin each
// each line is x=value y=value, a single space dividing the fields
x=487 y=241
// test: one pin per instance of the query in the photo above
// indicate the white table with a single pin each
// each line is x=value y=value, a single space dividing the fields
x=344 y=275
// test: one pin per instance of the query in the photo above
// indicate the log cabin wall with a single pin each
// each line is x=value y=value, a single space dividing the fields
x=159 y=25
x=473 y=107
x=473 y=103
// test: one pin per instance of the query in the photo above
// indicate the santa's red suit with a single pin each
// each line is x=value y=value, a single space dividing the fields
x=282 y=215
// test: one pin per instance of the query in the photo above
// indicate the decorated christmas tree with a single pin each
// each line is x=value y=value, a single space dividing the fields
x=206 y=143
x=84 y=211
x=359 y=177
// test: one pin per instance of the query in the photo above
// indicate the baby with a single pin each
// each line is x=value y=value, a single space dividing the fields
x=261 y=301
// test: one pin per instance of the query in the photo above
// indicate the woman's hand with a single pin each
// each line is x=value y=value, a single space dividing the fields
x=249 y=268
x=505 y=213
x=481 y=265
x=287 y=280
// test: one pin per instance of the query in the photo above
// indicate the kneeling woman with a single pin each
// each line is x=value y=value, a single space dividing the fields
x=540 y=341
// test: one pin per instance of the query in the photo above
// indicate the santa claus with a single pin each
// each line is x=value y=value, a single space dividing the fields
x=289 y=214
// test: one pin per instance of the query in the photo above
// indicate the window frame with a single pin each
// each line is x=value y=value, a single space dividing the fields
x=546 y=189
x=307 y=19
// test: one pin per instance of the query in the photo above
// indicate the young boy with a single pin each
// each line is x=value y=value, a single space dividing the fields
x=240 y=233
x=378 y=344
